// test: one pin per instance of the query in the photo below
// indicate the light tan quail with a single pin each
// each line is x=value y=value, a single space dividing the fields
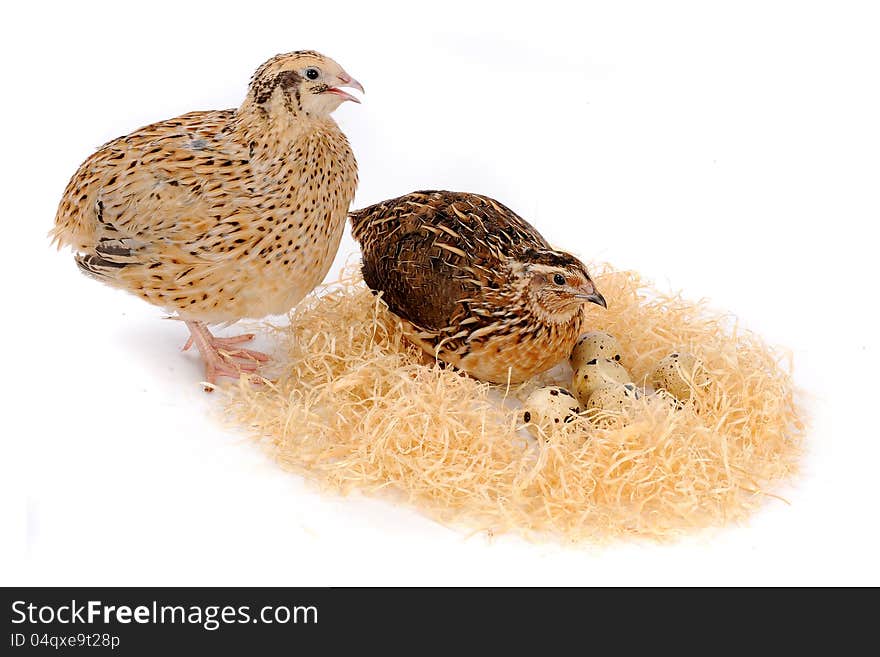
x=474 y=284
x=221 y=215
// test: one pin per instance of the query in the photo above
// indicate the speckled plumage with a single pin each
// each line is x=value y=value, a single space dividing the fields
x=221 y=215
x=473 y=282
x=215 y=215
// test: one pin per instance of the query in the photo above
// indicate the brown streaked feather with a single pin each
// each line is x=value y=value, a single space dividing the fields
x=431 y=251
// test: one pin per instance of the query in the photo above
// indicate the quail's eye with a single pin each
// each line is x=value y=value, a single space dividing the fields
x=312 y=73
x=559 y=279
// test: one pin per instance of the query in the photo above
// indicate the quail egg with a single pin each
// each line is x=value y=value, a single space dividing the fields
x=595 y=373
x=550 y=406
x=613 y=396
x=677 y=373
x=594 y=344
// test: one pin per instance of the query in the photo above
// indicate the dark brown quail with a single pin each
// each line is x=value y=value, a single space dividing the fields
x=474 y=283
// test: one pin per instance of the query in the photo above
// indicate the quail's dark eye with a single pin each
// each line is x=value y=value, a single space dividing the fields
x=559 y=279
x=313 y=73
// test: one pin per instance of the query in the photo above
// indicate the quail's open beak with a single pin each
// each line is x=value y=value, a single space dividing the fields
x=345 y=80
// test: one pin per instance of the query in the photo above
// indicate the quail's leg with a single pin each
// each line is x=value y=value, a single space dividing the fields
x=223 y=342
x=221 y=355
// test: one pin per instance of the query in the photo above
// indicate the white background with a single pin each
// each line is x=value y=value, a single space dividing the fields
x=730 y=150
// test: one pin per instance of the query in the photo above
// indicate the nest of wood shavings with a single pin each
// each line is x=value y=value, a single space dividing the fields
x=357 y=407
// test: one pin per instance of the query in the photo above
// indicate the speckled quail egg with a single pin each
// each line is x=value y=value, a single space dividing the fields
x=550 y=406
x=594 y=344
x=613 y=396
x=675 y=372
x=595 y=373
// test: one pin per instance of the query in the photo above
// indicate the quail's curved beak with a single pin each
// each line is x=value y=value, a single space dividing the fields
x=345 y=80
x=593 y=295
x=597 y=298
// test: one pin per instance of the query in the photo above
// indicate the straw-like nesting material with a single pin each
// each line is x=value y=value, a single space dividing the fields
x=357 y=407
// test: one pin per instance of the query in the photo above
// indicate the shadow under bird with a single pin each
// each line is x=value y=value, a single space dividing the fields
x=474 y=284
x=217 y=216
